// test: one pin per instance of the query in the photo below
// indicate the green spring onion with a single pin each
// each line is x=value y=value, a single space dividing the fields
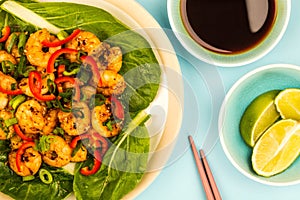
x=16 y=101
x=45 y=176
x=51 y=85
x=109 y=125
x=28 y=70
x=76 y=149
x=73 y=72
x=62 y=35
x=22 y=42
x=28 y=178
x=58 y=131
x=62 y=107
x=10 y=122
x=13 y=41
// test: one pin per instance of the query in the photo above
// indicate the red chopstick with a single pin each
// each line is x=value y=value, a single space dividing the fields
x=210 y=176
x=206 y=176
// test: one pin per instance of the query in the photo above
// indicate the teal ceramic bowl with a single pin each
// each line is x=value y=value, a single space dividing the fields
x=229 y=60
x=251 y=85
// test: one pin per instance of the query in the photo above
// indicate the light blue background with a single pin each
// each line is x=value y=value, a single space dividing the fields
x=180 y=179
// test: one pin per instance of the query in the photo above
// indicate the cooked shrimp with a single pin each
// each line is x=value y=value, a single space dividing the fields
x=81 y=155
x=14 y=51
x=3 y=100
x=51 y=119
x=4 y=56
x=30 y=115
x=36 y=53
x=30 y=162
x=59 y=153
x=84 y=41
x=5 y=132
x=102 y=114
x=111 y=83
x=78 y=121
x=24 y=85
x=16 y=142
x=6 y=81
x=108 y=57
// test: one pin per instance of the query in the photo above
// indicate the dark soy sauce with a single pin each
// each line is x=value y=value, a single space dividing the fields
x=228 y=26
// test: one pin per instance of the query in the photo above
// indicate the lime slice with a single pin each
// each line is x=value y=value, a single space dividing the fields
x=277 y=148
x=288 y=103
x=258 y=116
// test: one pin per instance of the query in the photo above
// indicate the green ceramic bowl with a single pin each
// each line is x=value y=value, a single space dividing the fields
x=230 y=60
x=251 y=85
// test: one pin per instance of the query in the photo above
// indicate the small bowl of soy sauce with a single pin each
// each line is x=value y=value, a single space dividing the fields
x=229 y=33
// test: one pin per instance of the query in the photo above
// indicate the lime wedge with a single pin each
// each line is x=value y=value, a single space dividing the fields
x=258 y=116
x=288 y=103
x=277 y=148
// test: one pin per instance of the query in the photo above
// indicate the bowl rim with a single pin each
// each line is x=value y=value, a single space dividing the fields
x=222 y=114
x=227 y=60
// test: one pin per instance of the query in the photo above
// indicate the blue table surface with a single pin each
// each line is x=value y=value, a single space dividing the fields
x=179 y=179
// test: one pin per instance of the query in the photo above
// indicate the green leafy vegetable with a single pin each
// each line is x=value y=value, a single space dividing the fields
x=123 y=165
x=140 y=66
x=13 y=185
x=125 y=162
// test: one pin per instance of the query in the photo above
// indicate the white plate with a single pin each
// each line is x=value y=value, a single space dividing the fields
x=136 y=17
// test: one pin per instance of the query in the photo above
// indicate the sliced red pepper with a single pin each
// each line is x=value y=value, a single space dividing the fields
x=11 y=92
x=5 y=33
x=75 y=140
x=117 y=108
x=60 y=70
x=61 y=42
x=64 y=79
x=55 y=55
x=21 y=134
x=97 y=164
x=90 y=61
x=35 y=86
x=72 y=81
x=103 y=141
x=21 y=151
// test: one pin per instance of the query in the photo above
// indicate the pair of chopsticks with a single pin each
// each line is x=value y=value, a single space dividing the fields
x=208 y=182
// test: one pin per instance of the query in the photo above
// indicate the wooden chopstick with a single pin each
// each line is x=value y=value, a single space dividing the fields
x=210 y=176
x=209 y=185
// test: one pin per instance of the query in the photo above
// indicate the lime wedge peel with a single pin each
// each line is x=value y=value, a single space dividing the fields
x=258 y=116
x=277 y=149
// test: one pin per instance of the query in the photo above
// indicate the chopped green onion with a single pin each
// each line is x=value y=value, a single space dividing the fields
x=45 y=176
x=58 y=131
x=22 y=42
x=44 y=142
x=49 y=105
x=67 y=94
x=62 y=107
x=13 y=86
x=28 y=178
x=76 y=149
x=21 y=65
x=13 y=41
x=28 y=70
x=109 y=125
x=16 y=101
x=51 y=86
x=10 y=122
x=3 y=67
x=62 y=35
x=73 y=72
